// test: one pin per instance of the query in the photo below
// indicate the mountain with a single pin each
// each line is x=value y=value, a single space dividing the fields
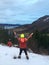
x=8 y=26
x=42 y=24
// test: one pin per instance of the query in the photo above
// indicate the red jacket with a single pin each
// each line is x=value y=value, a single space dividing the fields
x=22 y=42
x=9 y=43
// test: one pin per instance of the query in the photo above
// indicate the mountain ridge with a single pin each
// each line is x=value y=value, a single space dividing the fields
x=5 y=24
x=41 y=24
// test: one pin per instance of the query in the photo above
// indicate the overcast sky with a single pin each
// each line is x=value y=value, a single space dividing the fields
x=22 y=11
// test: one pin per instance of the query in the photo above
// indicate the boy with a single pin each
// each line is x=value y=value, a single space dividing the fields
x=22 y=43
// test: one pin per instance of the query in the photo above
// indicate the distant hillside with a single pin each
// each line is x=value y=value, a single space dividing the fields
x=42 y=24
x=8 y=26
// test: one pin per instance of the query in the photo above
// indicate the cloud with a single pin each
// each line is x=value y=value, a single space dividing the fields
x=22 y=11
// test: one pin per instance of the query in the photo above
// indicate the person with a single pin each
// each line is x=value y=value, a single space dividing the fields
x=9 y=43
x=22 y=43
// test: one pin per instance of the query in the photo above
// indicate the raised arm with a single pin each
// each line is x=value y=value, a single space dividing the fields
x=30 y=35
x=15 y=34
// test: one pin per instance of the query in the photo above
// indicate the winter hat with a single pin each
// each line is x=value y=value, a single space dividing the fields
x=22 y=35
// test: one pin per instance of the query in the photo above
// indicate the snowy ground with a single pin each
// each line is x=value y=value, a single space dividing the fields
x=7 y=53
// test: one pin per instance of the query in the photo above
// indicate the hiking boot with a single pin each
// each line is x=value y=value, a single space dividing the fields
x=27 y=57
x=19 y=57
x=14 y=57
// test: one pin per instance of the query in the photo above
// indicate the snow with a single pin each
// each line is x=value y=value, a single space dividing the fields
x=46 y=19
x=7 y=53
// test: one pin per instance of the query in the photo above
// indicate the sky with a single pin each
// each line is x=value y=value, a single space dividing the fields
x=22 y=11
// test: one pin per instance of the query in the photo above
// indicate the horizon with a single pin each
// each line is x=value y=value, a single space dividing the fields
x=22 y=24
x=22 y=11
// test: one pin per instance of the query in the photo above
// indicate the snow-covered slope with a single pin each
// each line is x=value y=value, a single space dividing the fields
x=7 y=53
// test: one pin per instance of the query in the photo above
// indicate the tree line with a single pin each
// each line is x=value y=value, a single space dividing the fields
x=38 y=39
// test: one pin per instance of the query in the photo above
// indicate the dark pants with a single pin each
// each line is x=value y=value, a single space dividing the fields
x=25 y=50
